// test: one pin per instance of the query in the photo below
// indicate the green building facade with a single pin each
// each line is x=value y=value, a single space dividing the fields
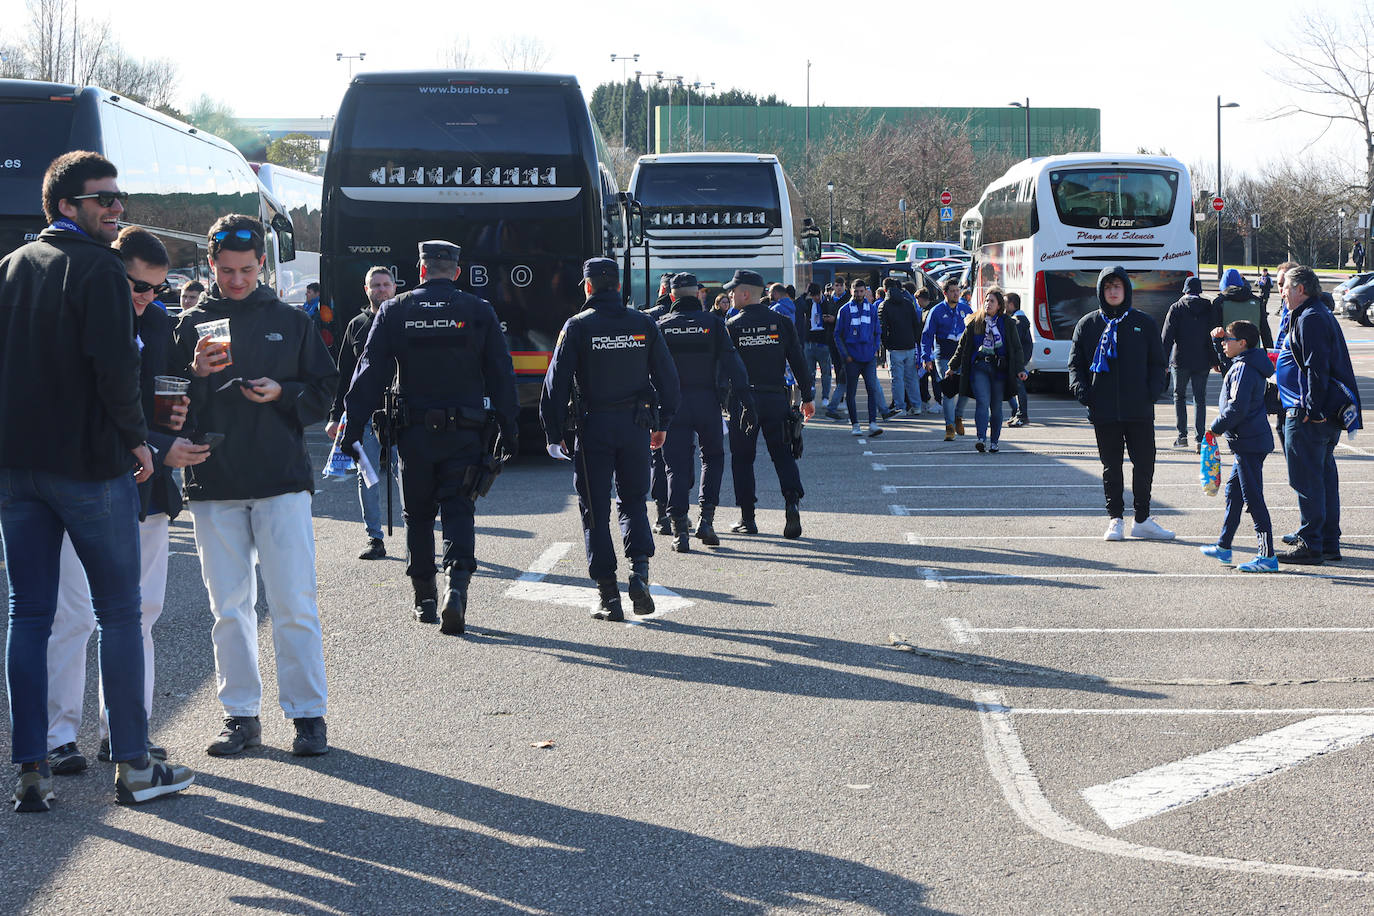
x=991 y=130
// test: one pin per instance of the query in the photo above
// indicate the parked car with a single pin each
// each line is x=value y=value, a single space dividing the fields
x=1358 y=302
x=935 y=263
x=848 y=251
x=831 y=270
x=916 y=251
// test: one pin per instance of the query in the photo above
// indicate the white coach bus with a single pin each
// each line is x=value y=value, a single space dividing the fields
x=1048 y=226
x=714 y=213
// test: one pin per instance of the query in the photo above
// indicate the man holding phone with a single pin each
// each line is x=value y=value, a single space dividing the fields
x=251 y=498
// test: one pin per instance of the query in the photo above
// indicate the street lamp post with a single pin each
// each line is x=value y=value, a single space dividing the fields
x=712 y=87
x=1340 y=237
x=624 y=90
x=1219 y=194
x=668 y=133
x=350 y=58
x=830 y=186
x=1026 y=108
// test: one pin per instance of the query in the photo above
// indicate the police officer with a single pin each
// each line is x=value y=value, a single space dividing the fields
x=658 y=472
x=448 y=352
x=704 y=355
x=615 y=359
x=767 y=343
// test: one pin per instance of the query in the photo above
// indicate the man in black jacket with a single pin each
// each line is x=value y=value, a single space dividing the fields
x=379 y=286
x=1116 y=370
x=73 y=437
x=901 y=323
x=251 y=499
x=146 y=262
x=1187 y=340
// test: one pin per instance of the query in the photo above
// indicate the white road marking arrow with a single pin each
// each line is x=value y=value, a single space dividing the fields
x=1173 y=785
x=532 y=587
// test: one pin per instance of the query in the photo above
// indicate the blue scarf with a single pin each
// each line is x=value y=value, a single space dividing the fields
x=1106 y=347
x=67 y=225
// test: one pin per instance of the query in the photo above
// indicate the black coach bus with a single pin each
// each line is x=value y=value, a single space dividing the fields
x=180 y=180
x=506 y=165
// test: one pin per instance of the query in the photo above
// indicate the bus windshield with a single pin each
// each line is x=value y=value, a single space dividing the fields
x=1114 y=198
x=710 y=185
x=463 y=118
x=26 y=153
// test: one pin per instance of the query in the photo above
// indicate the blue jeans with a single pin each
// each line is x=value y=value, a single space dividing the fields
x=988 y=384
x=1311 y=452
x=952 y=408
x=370 y=498
x=1186 y=380
x=869 y=372
x=1019 y=404
x=818 y=354
x=906 y=388
x=101 y=517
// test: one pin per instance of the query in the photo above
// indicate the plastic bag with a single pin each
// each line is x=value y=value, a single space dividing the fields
x=339 y=463
x=1211 y=466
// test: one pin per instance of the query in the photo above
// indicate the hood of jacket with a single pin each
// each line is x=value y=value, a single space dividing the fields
x=1107 y=310
x=1233 y=277
x=1259 y=361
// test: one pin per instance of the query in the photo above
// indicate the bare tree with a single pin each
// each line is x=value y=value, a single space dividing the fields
x=1330 y=58
x=523 y=52
x=459 y=55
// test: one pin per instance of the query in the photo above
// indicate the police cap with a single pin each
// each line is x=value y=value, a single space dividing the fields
x=745 y=278
x=439 y=250
x=684 y=279
x=600 y=269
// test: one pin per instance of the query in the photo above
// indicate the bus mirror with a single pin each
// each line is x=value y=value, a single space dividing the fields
x=286 y=238
x=636 y=226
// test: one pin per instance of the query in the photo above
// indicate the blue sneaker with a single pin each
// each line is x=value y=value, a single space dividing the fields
x=1216 y=552
x=1260 y=564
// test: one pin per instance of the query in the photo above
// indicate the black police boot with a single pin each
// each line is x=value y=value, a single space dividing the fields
x=664 y=525
x=610 y=608
x=682 y=534
x=706 y=527
x=426 y=600
x=792 y=529
x=639 y=584
x=745 y=525
x=455 y=609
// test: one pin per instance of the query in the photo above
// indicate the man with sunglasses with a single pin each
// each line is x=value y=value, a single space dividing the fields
x=251 y=499
x=146 y=262
x=72 y=450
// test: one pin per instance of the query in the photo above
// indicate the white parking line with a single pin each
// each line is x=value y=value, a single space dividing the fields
x=1169 y=510
x=964 y=633
x=1021 y=787
x=893 y=488
x=1182 y=782
x=919 y=540
x=1056 y=572
x=532 y=587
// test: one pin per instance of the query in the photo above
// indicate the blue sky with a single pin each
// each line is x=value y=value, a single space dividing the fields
x=1155 y=70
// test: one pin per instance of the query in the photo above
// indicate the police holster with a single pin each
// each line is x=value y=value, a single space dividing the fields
x=793 y=427
x=478 y=478
x=647 y=413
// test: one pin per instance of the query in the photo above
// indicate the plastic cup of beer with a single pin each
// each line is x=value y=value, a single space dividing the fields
x=168 y=391
x=218 y=332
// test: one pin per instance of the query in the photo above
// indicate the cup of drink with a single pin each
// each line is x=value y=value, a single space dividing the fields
x=218 y=332
x=168 y=391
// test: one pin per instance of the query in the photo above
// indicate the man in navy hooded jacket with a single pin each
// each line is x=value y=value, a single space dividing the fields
x=1320 y=397
x=1116 y=370
x=1188 y=344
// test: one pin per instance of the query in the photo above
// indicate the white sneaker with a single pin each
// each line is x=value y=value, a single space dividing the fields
x=856 y=430
x=1116 y=530
x=932 y=407
x=1150 y=530
x=874 y=429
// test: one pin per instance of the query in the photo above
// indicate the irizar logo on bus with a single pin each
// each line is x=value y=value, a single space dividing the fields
x=1108 y=222
x=618 y=342
x=495 y=176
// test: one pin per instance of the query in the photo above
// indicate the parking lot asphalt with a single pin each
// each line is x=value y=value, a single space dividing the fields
x=950 y=695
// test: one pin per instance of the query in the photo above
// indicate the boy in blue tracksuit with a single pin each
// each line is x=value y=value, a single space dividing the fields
x=1242 y=419
x=857 y=332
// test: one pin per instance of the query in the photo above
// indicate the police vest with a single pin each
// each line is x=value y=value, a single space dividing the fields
x=613 y=357
x=693 y=338
x=439 y=356
x=761 y=339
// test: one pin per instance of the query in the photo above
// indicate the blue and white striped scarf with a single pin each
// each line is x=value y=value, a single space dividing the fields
x=1106 y=346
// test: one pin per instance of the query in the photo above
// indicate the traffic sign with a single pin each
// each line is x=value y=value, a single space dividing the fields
x=946 y=214
x=946 y=198
x=1218 y=204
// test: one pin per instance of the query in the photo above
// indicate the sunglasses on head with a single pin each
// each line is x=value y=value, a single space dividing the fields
x=104 y=198
x=246 y=235
x=141 y=286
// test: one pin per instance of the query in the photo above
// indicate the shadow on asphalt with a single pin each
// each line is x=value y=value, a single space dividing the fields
x=544 y=857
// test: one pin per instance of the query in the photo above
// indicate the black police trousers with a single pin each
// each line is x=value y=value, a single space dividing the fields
x=432 y=468
x=614 y=447
x=772 y=422
x=698 y=420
